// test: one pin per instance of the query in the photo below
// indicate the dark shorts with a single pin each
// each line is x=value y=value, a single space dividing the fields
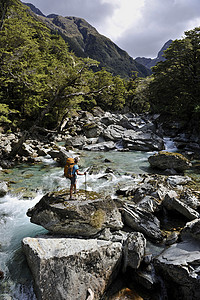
x=73 y=180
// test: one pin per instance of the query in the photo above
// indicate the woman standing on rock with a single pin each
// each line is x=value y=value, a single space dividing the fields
x=75 y=172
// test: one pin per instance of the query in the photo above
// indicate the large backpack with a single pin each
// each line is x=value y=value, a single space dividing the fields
x=69 y=167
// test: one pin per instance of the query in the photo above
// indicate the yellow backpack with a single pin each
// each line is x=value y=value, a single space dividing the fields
x=69 y=167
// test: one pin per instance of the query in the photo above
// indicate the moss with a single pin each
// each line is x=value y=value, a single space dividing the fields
x=178 y=155
x=89 y=126
x=98 y=218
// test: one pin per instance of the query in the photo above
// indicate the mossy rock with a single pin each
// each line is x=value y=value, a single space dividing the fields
x=169 y=160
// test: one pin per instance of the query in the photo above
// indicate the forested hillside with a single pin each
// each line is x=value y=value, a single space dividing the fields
x=42 y=82
x=85 y=41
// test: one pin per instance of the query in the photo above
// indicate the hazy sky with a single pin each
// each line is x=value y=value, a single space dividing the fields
x=140 y=27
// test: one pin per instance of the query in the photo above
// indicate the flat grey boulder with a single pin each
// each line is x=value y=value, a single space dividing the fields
x=86 y=215
x=168 y=160
x=142 y=141
x=67 y=268
x=171 y=202
x=113 y=132
x=180 y=267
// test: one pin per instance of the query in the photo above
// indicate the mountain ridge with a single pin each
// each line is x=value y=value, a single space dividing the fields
x=151 y=62
x=85 y=41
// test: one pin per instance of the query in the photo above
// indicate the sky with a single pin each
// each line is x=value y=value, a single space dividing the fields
x=140 y=27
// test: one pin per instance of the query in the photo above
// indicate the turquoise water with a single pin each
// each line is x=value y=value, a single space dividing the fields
x=27 y=184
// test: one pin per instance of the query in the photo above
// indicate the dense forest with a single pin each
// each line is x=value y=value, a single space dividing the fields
x=42 y=82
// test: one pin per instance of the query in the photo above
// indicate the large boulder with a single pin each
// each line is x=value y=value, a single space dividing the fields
x=113 y=132
x=60 y=155
x=191 y=229
x=179 y=265
x=167 y=160
x=171 y=202
x=142 y=141
x=93 y=129
x=67 y=268
x=142 y=221
x=87 y=215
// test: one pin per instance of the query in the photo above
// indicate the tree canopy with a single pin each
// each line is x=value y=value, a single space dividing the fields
x=42 y=82
x=175 y=87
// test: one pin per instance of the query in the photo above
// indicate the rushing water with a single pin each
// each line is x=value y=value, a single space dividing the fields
x=27 y=184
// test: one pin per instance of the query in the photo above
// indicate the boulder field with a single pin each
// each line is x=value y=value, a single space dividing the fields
x=95 y=240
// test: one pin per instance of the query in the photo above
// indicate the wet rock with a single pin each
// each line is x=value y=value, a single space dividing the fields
x=191 y=229
x=71 y=265
x=87 y=215
x=180 y=266
x=104 y=146
x=142 y=221
x=60 y=155
x=76 y=141
x=165 y=160
x=142 y=141
x=171 y=202
x=3 y=188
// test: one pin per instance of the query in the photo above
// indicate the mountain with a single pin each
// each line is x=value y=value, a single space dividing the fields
x=85 y=41
x=34 y=9
x=151 y=62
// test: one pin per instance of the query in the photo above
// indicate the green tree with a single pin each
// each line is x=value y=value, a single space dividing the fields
x=175 y=88
x=39 y=77
x=111 y=90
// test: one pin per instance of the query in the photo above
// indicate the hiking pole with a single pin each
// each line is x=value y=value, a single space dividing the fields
x=85 y=186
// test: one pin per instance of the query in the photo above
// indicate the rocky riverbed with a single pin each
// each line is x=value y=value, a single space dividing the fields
x=99 y=131
x=145 y=237
x=92 y=240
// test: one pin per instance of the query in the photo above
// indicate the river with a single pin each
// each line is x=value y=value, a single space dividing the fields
x=27 y=184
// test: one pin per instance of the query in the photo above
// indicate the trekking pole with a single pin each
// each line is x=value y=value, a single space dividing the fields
x=85 y=186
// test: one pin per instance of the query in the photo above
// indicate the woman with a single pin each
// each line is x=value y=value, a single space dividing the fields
x=75 y=172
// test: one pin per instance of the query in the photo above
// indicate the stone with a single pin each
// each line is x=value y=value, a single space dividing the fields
x=164 y=160
x=142 y=221
x=178 y=180
x=142 y=141
x=92 y=130
x=86 y=216
x=134 y=250
x=71 y=265
x=113 y=132
x=180 y=267
x=76 y=141
x=172 y=203
x=104 y=146
x=3 y=188
x=60 y=155
x=191 y=229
